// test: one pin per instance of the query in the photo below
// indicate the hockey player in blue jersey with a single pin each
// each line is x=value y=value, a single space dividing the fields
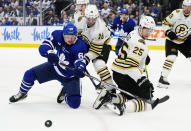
x=122 y=24
x=62 y=47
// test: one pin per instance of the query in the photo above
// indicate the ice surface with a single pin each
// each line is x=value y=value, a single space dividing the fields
x=40 y=105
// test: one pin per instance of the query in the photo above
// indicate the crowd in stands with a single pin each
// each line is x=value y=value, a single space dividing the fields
x=11 y=11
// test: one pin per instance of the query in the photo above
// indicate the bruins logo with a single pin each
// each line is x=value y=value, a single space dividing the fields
x=181 y=28
x=80 y=18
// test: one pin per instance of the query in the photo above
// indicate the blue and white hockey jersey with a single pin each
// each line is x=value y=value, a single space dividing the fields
x=68 y=54
x=122 y=28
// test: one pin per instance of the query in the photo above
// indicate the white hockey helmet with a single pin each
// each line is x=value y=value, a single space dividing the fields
x=187 y=2
x=91 y=11
x=147 y=22
x=80 y=2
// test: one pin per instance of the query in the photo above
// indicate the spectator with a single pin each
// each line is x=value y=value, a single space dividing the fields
x=7 y=11
x=20 y=11
x=20 y=2
x=14 y=3
x=55 y=21
x=136 y=17
x=154 y=11
x=1 y=3
x=146 y=11
x=7 y=3
x=1 y=12
x=36 y=3
x=1 y=22
x=64 y=18
x=14 y=21
x=49 y=17
x=112 y=15
x=105 y=11
x=46 y=4
x=33 y=10
x=32 y=20
x=6 y=22
x=71 y=11
x=14 y=12
x=29 y=3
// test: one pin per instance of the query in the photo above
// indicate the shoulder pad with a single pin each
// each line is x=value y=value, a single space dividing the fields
x=141 y=41
x=80 y=18
x=177 y=11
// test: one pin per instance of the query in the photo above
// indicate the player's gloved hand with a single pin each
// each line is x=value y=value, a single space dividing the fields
x=52 y=57
x=79 y=71
x=170 y=34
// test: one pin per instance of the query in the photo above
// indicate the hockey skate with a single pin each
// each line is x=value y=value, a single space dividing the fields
x=104 y=97
x=19 y=96
x=99 y=87
x=163 y=82
x=116 y=108
x=60 y=97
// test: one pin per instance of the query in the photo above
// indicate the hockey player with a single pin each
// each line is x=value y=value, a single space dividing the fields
x=127 y=72
x=79 y=19
x=177 y=30
x=97 y=35
x=122 y=24
x=62 y=47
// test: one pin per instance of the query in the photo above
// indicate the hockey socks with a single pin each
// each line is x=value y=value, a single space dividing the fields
x=28 y=81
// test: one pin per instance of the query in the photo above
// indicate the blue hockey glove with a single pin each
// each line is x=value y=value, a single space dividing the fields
x=79 y=71
x=52 y=57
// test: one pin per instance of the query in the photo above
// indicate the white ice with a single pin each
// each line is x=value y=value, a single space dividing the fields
x=40 y=105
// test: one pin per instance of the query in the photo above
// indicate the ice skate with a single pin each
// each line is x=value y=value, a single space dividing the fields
x=60 y=97
x=104 y=97
x=163 y=82
x=116 y=108
x=19 y=96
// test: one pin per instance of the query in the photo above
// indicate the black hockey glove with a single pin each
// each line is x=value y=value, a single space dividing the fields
x=148 y=59
x=146 y=88
x=170 y=34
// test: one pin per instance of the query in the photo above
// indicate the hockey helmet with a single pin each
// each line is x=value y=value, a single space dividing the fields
x=91 y=11
x=187 y=2
x=70 y=29
x=124 y=11
x=147 y=22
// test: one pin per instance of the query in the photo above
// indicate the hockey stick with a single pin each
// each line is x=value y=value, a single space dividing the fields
x=93 y=82
x=152 y=39
x=86 y=72
x=114 y=86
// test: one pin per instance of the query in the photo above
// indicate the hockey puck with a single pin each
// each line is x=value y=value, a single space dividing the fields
x=48 y=123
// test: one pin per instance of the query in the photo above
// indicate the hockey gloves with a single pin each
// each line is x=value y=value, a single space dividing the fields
x=170 y=34
x=79 y=70
x=52 y=57
x=146 y=88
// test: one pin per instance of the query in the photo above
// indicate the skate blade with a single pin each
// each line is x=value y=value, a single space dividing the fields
x=113 y=108
x=162 y=86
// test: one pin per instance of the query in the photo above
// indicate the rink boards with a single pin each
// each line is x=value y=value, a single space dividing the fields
x=32 y=36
